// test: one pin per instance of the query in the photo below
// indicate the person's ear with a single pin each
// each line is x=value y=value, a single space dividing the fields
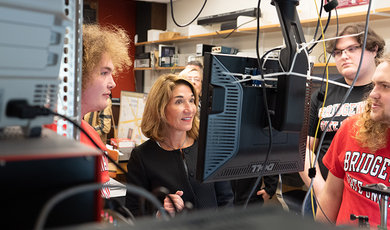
x=376 y=50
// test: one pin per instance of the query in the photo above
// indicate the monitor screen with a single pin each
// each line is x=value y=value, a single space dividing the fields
x=234 y=135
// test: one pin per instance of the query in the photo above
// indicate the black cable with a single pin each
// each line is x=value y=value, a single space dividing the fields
x=112 y=160
x=97 y=146
x=318 y=20
x=328 y=8
x=270 y=139
x=235 y=29
x=90 y=138
x=118 y=207
x=352 y=85
x=320 y=37
x=320 y=89
x=173 y=17
x=318 y=147
x=266 y=53
x=53 y=201
x=21 y=109
x=163 y=190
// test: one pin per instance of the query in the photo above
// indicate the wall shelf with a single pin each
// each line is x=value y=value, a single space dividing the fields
x=182 y=67
x=323 y=64
x=345 y=18
x=161 y=68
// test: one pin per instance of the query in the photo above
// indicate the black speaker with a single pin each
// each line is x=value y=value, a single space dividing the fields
x=149 y=15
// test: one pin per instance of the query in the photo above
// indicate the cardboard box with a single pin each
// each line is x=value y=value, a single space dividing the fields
x=168 y=35
x=142 y=63
x=153 y=35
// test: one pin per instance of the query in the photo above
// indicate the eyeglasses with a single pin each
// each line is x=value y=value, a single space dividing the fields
x=348 y=50
x=193 y=79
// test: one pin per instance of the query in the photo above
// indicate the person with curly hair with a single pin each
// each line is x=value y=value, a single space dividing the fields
x=358 y=156
x=346 y=52
x=105 y=51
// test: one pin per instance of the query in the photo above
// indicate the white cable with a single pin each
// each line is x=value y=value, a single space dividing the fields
x=306 y=44
x=266 y=57
x=269 y=77
x=308 y=64
x=308 y=76
x=334 y=38
x=52 y=202
x=302 y=75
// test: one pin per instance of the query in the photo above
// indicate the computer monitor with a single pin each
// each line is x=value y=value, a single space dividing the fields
x=234 y=135
x=234 y=129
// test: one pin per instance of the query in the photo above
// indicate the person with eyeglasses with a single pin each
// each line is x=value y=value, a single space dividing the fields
x=346 y=52
x=193 y=72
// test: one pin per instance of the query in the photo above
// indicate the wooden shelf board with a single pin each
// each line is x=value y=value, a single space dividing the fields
x=344 y=18
x=323 y=64
x=182 y=67
x=161 y=68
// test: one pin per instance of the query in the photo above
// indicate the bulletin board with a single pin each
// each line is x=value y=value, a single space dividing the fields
x=130 y=115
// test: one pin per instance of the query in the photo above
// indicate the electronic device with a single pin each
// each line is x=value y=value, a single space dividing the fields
x=234 y=132
x=142 y=60
x=203 y=48
x=233 y=135
x=40 y=168
x=225 y=17
x=224 y=50
x=166 y=54
x=31 y=48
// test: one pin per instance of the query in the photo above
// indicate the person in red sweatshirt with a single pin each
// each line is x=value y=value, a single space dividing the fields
x=105 y=51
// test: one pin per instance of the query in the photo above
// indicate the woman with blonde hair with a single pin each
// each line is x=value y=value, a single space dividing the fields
x=168 y=159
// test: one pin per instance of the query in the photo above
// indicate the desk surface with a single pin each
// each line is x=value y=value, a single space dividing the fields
x=50 y=145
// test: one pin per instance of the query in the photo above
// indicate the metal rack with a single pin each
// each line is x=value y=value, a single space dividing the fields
x=69 y=95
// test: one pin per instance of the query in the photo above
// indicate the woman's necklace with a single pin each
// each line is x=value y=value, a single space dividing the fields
x=180 y=148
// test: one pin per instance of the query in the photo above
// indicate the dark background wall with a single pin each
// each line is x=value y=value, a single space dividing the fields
x=120 y=13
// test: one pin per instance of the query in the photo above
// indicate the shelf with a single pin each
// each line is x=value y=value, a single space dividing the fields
x=345 y=18
x=161 y=68
x=182 y=67
x=323 y=64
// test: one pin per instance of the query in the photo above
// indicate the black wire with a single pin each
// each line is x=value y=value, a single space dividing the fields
x=90 y=138
x=320 y=37
x=173 y=17
x=118 y=207
x=322 y=83
x=352 y=85
x=327 y=64
x=320 y=89
x=165 y=192
x=318 y=20
x=270 y=139
x=266 y=53
x=97 y=146
x=235 y=29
